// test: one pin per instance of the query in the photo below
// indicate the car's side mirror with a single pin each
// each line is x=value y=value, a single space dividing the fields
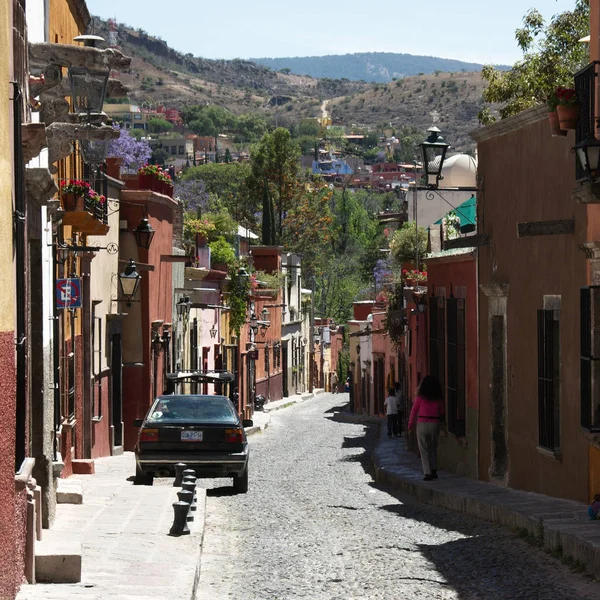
x=138 y=422
x=247 y=422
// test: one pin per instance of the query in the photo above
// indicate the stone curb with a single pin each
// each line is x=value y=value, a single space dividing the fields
x=560 y=525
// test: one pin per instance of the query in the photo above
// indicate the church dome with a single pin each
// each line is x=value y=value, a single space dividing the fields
x=459 y=170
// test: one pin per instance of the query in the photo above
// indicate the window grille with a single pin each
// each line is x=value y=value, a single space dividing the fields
x=548 y=378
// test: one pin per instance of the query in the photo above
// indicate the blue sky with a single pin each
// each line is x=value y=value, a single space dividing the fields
x=473 y=30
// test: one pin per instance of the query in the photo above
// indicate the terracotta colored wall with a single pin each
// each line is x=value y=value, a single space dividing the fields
x=101 y=428
x=156 y=299
x=539 y=189
x=460 y=454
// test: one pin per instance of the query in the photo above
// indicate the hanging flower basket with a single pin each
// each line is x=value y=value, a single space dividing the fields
x=555 y=129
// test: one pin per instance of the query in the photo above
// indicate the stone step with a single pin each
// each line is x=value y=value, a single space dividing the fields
x=69 y=492
x=57 y=561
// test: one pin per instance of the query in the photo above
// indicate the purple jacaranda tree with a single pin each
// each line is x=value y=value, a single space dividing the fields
x=134 y=153
x=193 y=195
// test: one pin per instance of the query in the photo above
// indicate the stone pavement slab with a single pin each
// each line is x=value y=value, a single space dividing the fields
x=561 y=525
x=123 y=529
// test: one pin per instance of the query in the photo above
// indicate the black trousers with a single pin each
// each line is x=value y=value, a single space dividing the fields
x=393 y=425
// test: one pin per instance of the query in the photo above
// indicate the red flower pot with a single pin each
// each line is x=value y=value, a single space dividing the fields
x=568 y=116
x=201 y=240
x=555 y=129
x=79 y=203
x=69 y=201
x=113 y=167
x=146 y=181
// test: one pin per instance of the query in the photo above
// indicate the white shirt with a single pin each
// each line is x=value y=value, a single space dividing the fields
x=391 y=405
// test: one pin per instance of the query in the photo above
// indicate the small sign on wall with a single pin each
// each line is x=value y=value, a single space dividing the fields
x=68 y=293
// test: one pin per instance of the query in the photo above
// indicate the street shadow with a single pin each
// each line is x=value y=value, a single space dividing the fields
x=336 y=409
x=221 y=492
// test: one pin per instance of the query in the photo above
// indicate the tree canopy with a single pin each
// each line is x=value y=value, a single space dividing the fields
x=552 y=53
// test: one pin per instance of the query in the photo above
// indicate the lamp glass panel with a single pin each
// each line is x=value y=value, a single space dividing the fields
x=593 y=156
x=88 y=89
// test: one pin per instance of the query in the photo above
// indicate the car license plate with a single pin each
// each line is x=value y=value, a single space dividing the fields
x=191 y=436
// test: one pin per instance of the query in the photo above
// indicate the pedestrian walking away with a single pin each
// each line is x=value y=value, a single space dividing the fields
x=391 y=410
x=427 y=414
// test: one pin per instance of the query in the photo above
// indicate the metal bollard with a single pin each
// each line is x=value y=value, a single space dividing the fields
x=191 y=486
x=188 y=473
x=179 y=526
x=187 y=497
x=189 y=479
x=179 y=468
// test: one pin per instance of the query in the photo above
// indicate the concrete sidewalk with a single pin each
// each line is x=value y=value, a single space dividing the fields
x=561 y=526
x=122 y=531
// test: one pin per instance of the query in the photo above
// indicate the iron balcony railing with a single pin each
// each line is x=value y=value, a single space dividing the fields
x=586 y=82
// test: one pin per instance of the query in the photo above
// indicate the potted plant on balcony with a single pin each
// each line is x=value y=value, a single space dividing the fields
x=73 y=193
x=567 y=107
x=95 y=200
x=555 y=129
x=222 y=255
x=197 y=229
x=148 y=174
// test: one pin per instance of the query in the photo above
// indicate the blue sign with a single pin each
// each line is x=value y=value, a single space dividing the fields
x=68 y=293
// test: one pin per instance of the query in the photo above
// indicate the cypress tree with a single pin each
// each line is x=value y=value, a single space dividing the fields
x=267 y=217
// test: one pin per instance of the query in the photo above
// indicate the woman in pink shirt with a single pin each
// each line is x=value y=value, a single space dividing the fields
x=427 y=413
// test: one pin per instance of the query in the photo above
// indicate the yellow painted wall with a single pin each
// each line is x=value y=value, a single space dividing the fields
x=65 y=23
x=7 y=296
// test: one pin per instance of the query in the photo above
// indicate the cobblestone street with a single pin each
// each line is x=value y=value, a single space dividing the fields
x=315 y=525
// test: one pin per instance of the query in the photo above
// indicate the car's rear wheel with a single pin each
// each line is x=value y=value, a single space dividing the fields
x=240 y=483
x=142 y=478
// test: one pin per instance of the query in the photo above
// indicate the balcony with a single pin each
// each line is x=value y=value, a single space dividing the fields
x=586 y=82
x=92 y=220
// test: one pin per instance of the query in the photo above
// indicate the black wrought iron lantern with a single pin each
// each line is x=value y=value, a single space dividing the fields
x=88 y=89
x=144 y=233
x=129 y=282
x=213 y=331
x=434 y=153
x=183 y=306
x=253 y=323
x=588 y=154
x=94 y=151
x=157 y=343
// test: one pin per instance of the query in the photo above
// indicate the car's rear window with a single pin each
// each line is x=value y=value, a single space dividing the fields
x=200 y=409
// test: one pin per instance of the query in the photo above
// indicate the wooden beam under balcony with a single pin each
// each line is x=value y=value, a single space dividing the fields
x=85 y=222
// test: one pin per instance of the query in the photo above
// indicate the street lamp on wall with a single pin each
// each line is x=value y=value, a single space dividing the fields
x=434 y=150
x=88 y=89
x=588 y=153
x=144 y=233
x=129 y=282
x=183 y=307
x=213 y=331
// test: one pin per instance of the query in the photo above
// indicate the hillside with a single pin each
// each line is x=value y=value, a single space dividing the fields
x=161 y=75
x=376 y=67
x=452 y=100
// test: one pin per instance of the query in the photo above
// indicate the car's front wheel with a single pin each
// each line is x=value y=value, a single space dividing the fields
x=240 y=483
x=142 y=478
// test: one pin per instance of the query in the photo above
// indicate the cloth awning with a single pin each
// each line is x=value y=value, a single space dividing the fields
x=466 y=212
